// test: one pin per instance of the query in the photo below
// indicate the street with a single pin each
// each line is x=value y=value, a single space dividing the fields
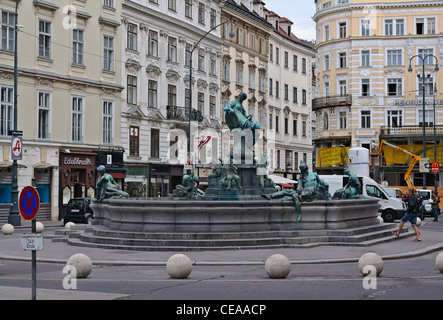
x=400 y=279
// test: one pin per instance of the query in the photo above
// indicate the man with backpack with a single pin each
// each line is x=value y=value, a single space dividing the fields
x=435 y=205
x=411 y=214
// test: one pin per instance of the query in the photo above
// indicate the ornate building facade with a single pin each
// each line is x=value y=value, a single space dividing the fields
x=365 y=91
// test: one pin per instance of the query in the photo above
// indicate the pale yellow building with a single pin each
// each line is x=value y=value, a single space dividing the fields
x=68 y=104
x=364 y=90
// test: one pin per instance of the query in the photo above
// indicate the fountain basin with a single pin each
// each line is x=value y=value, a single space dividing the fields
x=143 y=215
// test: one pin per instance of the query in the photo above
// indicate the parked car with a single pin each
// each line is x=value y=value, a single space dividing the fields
x=78 y=210
x=426 y=196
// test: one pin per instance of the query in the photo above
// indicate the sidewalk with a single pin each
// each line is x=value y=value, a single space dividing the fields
x=60 y=252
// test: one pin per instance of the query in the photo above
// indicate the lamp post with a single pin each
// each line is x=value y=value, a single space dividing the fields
x=231 y=34
x=435 y=139
x=423 y=60
x=14 y=213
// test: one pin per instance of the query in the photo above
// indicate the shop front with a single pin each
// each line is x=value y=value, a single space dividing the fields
x=163 y=179
x=77 y=177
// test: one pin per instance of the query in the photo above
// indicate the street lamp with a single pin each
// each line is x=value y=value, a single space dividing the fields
x=14 y=213
x=231 y=34
x=423 y=60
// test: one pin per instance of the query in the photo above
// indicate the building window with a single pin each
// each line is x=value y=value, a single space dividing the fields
x=343 y=122
x=365 y=58
x=429 y=118
x=172 y=49
x=276 y=123
x=342 y=30
x=425 y=25
x=270 y=87
x=44 y=39
x=188 y=9
x=172 y=95
x=342 y=86
x=366 y=119
x=395 y=118
x=132 y=37
x=8 y=31
x=286 y=125
x=78 y=44
x=213 y=18
x=153 y=44
x=132 y=90
x=286 y=92
x=365 y=27
x=304 y=130
x=365 y=87
x=294 y=94
x=326 y=62
x=294 y=62
x=188 y=50
x=303 y=96
x=108 y=53
x=271 y=52
x=394 y=87
x=108 y=107
x=201 y=102
x=6 y=109
x=152 y=94
x=77 y=119
x=286 y=57
x=201 y=59
x=261 y=83
x=277 y=55
x=108 y=3
x=425 y=53
x=326 y=32
x=134 y=141
x=394 y=57
x=342 y=60
x=44 y=109
x=155 y=143
x=212 y=106
x=239 y=76
x=252 y=80
x=172 y=5
x=294 y=127
x=303 y=65
x=226 y=68
x=277 y=89
x=201 y=13
x=212 y=64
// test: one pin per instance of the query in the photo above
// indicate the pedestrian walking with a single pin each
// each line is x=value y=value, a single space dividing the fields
x=435 y=205
x=411 y=214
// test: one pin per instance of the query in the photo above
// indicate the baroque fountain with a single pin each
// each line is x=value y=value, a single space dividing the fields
x=239 y=209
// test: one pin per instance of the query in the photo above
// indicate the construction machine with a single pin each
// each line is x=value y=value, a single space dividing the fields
x=414 y=160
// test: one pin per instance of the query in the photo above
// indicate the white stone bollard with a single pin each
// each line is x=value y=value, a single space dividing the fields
x=439 y=262
x=277 y=266
x=380 y=219
x=82 y=264
x=370 y=259
x=69 y=224
x=179 y=266
x=39 y=227
x=7 y=229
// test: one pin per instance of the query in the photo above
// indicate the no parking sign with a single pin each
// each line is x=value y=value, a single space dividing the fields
x=29 y=203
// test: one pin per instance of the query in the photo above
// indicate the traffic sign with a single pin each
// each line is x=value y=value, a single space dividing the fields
x=424 y=165
x=32 y=241
x=29 y=203
x=16 y=148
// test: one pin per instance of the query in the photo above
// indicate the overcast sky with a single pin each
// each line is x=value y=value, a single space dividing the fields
x=300 y=12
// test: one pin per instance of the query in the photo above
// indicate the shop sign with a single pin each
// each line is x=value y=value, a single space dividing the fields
x=77 y=161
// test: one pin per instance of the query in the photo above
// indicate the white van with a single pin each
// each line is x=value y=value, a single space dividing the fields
x=391 y=208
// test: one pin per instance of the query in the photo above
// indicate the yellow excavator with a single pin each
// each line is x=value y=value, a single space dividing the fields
x=414 y=160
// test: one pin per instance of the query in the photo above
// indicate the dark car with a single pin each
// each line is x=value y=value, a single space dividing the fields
x=79 y=211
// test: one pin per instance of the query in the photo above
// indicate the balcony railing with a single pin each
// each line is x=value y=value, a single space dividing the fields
x=411 y=130
x=182 y=114
x=332 y=101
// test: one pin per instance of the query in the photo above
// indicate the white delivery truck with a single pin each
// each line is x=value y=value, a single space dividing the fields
x=391 y=208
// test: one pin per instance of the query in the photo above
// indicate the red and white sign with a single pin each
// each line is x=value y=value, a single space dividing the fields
x=16 y=148
x=435 y=167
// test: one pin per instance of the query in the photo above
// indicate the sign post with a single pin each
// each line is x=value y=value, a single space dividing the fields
x=29 y=203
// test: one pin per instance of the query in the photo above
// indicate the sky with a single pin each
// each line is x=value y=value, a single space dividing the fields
x=300 y=12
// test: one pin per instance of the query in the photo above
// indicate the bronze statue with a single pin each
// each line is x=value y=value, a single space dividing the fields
x=310 y=186
x=352 y=190
x=107 y=187
x=187 y=188
x=236 y=117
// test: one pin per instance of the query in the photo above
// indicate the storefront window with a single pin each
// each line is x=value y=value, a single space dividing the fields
x=44 y=192
x=5 y=193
